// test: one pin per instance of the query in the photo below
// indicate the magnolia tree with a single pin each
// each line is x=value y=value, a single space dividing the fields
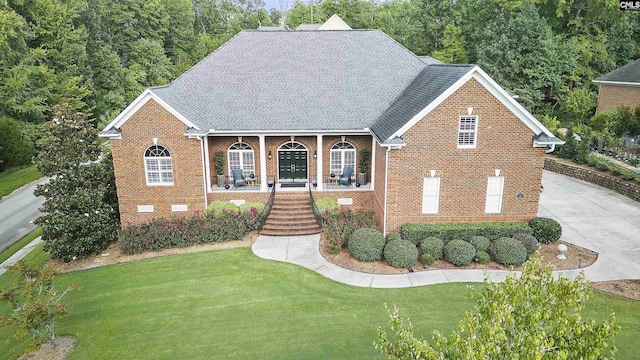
x=536 y=316
x=35 y=303
x=81 y=206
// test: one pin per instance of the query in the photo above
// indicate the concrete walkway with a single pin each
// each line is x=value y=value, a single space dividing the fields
x=20 y=254
x=591 y=217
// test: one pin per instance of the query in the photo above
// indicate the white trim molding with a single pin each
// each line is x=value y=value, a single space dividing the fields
x=496 y=90
x=138 y=103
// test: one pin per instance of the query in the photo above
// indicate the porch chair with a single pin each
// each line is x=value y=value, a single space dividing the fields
x=345 y=178
x=238 y=178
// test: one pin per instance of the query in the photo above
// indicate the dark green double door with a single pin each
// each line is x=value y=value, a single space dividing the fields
x=293 y=164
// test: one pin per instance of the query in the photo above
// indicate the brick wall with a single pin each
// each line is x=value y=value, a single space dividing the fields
x=503 y=142
x=620 y=186
x=153 y=121
x=610 y=97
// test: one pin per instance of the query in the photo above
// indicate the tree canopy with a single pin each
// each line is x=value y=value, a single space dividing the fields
x=99 y=55
x=534 y=316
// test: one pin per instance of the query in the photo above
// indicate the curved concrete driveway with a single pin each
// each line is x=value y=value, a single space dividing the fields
x=591 y=217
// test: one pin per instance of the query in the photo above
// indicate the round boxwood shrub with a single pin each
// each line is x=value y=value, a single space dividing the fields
x=482 y=257
x=393 y=236
x=509 y=251
x=545 y=230
x=427 y=259
x=432 y=246
x=529 y=241
x=481 y=243
x=366 y=244
x=459 y=252
x=401 y=253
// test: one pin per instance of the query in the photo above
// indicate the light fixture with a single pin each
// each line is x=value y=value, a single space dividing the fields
x=269 y=154
x=315 y=154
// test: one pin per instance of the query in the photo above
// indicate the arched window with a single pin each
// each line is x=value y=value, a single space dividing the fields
x=343 y=154
x=157 y=166
x=241 y=157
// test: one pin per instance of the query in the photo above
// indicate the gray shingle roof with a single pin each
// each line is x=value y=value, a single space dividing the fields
x=425 y=88
x=303 y=80
x=430 y=60
x=629 y=73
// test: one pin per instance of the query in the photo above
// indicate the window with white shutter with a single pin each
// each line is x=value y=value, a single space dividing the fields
x=495 y=188
x=430 y=195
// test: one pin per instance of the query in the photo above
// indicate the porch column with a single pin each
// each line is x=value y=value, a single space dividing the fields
x=373 y=163
x=263 y=164
x=207 y=164
x=319 y=178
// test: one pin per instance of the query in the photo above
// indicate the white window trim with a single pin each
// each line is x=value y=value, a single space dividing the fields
x=241 y=153
x=498 y=195
x=343 y=153
x=475 y=132
x=157 y=160
x=434 y=198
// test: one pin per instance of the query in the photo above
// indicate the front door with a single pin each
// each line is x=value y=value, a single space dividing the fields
x=293 y=165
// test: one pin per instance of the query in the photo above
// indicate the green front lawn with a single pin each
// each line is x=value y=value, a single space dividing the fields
x=20 y=244
x=12 y=179
x=230 y=304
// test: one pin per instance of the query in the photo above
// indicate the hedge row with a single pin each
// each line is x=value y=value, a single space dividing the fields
x=463 y=231
x=181 y=232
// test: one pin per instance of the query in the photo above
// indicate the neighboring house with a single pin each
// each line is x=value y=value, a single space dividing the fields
x=619 y=87
x=446 y=143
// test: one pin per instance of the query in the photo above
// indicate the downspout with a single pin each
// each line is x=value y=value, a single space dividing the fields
x=204 y=173
x=386 y=191
x=553 y=148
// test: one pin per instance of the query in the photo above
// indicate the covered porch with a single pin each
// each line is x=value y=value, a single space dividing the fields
x=258 y=162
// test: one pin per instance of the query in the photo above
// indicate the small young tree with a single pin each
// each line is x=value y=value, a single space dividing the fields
x=536 y=316
x=35 y=303
x=81 y=206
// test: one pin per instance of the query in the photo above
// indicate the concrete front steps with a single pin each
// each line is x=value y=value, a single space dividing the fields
x=291 y=215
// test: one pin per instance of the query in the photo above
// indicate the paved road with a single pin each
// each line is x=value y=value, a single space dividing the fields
x=17 y=211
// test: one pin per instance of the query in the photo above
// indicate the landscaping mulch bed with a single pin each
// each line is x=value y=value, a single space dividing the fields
x=64 y=348
x=112 y=254
x=577 y=257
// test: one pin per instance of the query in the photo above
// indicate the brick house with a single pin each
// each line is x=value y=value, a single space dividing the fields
x=619 y=87
x=293 y=109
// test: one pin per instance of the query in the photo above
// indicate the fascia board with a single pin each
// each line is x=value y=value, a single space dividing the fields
x=496 y=90
x=138 y=103
x=619 y=83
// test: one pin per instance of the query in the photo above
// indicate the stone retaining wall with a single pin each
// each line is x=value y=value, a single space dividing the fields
x=620 y=186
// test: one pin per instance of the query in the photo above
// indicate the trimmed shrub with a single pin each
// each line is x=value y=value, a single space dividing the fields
x=529 y=241
x=366 y=244
x=400 y=253
x=183 y=231
x=480 y=243
x=459 y=252
x=252 y=205
x=393 y=236
x=432 y=246
x=482 y=257
x=509 y=251
x=427 y=259
x=327 y=204
x=462 y=231
x=545 y=230
x=217 y=208
x=339 y=225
